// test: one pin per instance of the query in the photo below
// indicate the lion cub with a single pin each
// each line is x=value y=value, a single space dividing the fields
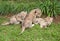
x=27 y=23
x=16 y=19
x=43 y=22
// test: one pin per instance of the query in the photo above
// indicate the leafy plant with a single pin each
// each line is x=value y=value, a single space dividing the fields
x=48 y=7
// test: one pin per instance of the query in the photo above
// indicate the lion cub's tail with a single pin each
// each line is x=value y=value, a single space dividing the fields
x=23 y=28
x=7 y=23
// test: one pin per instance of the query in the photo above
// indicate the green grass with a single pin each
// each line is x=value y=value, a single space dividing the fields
x=11 y=33
x=48 y=7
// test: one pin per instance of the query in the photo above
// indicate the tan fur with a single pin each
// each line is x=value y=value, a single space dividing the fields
x=16 y=19
x=27 y=23
x=43 y=22
x=21 y=16
x=40 y=21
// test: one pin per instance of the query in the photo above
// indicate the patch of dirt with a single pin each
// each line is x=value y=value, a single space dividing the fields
x=57 y=19
x=6 y=16
x=9 y=15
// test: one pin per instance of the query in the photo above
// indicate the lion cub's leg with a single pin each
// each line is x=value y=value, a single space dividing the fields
x=31 y=25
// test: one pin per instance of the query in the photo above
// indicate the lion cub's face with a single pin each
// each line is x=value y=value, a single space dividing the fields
x=21 y=16
x=38 y=12
x=49 y=20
